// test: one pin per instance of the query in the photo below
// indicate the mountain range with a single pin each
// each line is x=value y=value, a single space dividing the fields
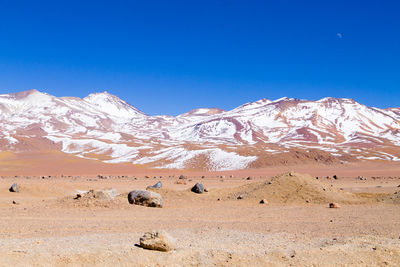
x=106 y=128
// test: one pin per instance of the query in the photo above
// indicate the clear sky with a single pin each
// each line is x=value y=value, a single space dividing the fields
x=168 y=57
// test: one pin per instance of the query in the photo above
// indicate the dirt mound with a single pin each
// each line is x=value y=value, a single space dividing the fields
x=91 y=199
x=292 y=188
x=392 y=198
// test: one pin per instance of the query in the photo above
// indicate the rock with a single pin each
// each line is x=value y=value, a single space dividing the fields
x=263 y=201
x=157 y=240
x=145 y=198
x=15 y=202
x=249 y=178
x=334 y=205
x=198 y=188
x=106 y=194
x=182 y=177
x=157 y=185
x=335 y=177
x=14 y=188
x=240 y=197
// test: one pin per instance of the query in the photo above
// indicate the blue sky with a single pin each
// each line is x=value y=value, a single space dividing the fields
x=168 y=57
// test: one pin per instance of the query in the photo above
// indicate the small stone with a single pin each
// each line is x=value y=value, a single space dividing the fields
x=157 y=185
x=15 y=202
x=182 y=177
x=335 y=177
x=263 y=201
x=157 y=240
x=249 y=178
x=14 y=188
x=334 y=205
x=240 y=197
x=198 y=188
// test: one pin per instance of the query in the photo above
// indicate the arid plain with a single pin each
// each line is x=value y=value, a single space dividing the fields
x=226 y=226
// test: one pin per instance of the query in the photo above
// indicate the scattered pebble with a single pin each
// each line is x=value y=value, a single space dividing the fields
x=334 y=205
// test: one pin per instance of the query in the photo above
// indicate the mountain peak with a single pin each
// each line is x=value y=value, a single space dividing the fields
x=104 y=94
x=112 y=105
x=335 y=99
x=285 y=98
x=24 y=94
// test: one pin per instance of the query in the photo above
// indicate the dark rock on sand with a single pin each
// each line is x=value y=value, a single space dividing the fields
x=198 y=188
x=14 y=188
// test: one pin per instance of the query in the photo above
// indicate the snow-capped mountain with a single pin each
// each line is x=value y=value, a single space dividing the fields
x=103 y=127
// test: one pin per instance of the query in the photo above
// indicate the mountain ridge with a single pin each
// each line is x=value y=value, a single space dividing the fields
x=104 y=126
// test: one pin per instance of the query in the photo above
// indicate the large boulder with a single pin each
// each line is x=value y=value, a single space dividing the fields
x=14 y=188
x=145 y=198
x=157 y=240
x=198 y=188
x=157 y=185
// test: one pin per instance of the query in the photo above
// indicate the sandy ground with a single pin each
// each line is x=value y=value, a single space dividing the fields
x=49 y=228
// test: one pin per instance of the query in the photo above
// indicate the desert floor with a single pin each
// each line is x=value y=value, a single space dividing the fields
x=49 y=228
